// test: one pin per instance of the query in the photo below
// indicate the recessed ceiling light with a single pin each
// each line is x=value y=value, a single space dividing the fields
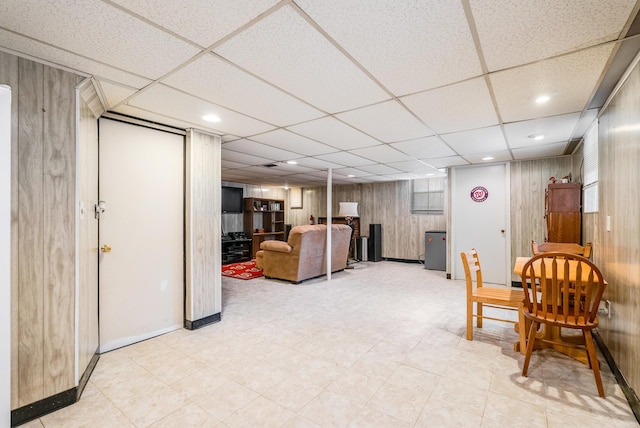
x=350 y=175
x=211 y=118
x=487 y=158
x=537 y=137
x=542 y=99
x=292 y=162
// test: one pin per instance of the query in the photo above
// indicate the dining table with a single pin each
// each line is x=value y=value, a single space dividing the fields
x=553 y=334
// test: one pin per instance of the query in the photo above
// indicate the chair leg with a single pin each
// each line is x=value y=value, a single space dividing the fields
x=530 y=342
x=479 y=318
x=593 y=361
x=469 y=319
x=522 y=330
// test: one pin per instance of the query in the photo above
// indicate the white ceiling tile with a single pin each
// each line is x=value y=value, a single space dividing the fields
x=345 y=172
x=414 y=166
x=135 y=46
x=382 y=154
x=570 y=80
x=465 y=105
x=545 y=151
x=429 y=147
x=60 y=57
x=379 y=169
x=286 y=140
x=446 y=161
x=331 y=131
x=235 y=156
x=555 y=129
x=151 y=116
x=318 y=163
x=168 y=101
x=345 y=158
x=519 y=32
x=214 y=79
x=285 y=50
x=377 y=178
x=264 y=171
x=477 y=140
x=498 y=156
x=261 y=150
x=228 y=164
x=387 y=122
x=293 y=169
x=114 y=93
x=202 y=21
x=402 y=176
x=423 y=44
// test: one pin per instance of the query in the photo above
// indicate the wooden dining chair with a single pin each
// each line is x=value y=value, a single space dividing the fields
x=497 y=297
x=561 y=247
x=562 y=290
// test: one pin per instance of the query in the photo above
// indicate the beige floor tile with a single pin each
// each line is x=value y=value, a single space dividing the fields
x=398 y=402
x=190 y=415
x=261 y=412
x=329 y=409
x=380 y=345
x=294 y=392
x=146 y=409
x=445 y=415
x=369 y=417
x=356 y=386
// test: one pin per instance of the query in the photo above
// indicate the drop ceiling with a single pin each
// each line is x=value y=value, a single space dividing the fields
x=376 y=90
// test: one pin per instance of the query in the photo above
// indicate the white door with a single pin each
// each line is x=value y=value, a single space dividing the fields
x=141 y=268
x=480 y=220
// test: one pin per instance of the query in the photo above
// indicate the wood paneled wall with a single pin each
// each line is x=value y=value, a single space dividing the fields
x=529 y=180
x=203 y=296
x=617 y=252
x=43 y=228
x=235 y=222
x=388 y=204
x=87 y=149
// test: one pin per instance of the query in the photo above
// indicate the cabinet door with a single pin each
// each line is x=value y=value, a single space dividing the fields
x=564 y=227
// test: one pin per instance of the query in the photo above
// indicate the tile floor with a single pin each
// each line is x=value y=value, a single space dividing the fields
x=381 y=345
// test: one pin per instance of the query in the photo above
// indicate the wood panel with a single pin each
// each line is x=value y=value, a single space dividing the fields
x=203 y=226
x=30 y=361
x=59 y=171
x=43 y=229
x=617 y=252
x=9 y=76
x=88 y=340
x=529 y=180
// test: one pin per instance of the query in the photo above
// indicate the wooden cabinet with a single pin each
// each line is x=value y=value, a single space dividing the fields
x=263 y=220
x=562 y=212
x=341 y=220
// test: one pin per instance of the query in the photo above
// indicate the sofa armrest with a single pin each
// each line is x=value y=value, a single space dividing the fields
x=279 y=246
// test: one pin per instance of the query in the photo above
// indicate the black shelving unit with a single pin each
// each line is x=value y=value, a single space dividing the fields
x=236 y=250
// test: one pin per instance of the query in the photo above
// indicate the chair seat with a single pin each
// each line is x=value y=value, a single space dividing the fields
x=499 y=296
x=569 y=322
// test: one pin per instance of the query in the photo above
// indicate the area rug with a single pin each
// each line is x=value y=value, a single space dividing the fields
x=242 y=270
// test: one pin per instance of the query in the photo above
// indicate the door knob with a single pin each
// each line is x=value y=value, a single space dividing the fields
x=105 y=248
x=501 y=230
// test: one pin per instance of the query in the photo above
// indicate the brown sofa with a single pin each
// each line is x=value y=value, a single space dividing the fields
x=303 y=256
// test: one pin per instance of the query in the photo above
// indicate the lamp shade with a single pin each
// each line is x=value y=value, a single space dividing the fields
x=348 y=209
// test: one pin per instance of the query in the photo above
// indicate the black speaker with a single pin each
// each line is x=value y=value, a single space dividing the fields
x=375 y=243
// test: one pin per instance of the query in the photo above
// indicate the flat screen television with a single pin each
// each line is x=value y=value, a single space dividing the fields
x=232 y=199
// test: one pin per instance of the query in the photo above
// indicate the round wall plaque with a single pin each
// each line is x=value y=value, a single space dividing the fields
x=479 y=194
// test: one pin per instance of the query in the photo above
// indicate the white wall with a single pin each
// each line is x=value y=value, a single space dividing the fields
x=5 y=254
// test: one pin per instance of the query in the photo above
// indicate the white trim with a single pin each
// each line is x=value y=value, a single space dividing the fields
x=5 y=255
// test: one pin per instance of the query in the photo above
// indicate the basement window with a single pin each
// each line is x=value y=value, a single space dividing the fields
x=427 y=196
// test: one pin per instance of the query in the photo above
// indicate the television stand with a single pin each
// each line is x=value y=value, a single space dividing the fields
x=235 y=249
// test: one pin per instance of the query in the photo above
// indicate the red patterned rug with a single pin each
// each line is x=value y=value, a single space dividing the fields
x=242 y=270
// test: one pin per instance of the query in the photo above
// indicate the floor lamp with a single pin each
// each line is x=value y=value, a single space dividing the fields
x=349 y=210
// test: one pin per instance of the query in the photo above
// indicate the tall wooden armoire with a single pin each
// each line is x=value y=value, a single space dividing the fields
x=562 y=210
